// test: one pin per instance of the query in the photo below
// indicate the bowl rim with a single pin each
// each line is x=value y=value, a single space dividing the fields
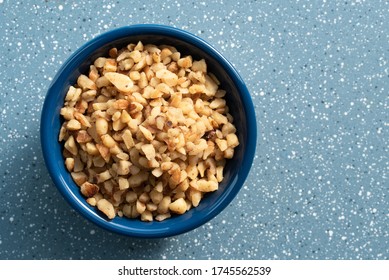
x=164 y=30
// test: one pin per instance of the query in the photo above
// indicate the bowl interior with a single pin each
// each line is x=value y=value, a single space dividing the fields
x=238 y=100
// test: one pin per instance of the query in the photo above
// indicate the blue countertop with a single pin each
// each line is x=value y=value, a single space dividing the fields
x=318 y=73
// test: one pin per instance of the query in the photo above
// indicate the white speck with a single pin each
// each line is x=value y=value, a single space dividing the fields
x=374 y=210
x=60 y=7
x=330 y=233
x=249 y=18
x=261 y=93
x=1 y=2
x=344 y=237
x=11 y=219
x=92 y=231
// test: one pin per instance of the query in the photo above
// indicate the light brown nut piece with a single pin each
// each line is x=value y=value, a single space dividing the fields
x=79 y=177
x=144 y=197
x=82 y=119
x=228 y=153
x=127 y=64
x=161 y=217
x=135 y=55
x=73 y=94
x=110 y=65
x=85 y=83
x=104 y=152
x=195 y=196
x=149 y=151
x=123 y=183
x=165 y=53
x=217 y=103
x=176 y=56
x=137 y=179
x=146 y=216
x=99 y=62
x=106 y=207
x=206 y=186
x=108 y=141
x=93 y=73
x=63 y=133
x=219 y=173
x=219 y=118
x=167 y=77
x=128 y=139
x=67 y=113
x=101 y=126
x=124 y=167
x=151 y=207
x=197 y=88
x=103 y=176
x=91 y=201
x=102 y=82
x=140 y=207
x=125 y=117
x=78 y=164
x=70 y=145
x=211 y=86
x=146 y=133
x=120 y=104
x=91 y=149
x=157 y=172
x=113 y=52
x=199 y=65
x=222 y=144
x=73 y=125
x=123 y=156
x=69 y=163
x=123 y=55
x=232 y=140
x=228 y=128
x=89 y=189
x=156 y=196
x=178 y=206
x=163 y=206
x=120 y=81
x=131 y=197
x=185 y=62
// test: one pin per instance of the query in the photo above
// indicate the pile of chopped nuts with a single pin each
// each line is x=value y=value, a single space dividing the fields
x=147 y=133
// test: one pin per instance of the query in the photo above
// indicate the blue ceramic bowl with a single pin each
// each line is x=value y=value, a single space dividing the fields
x=238 y=100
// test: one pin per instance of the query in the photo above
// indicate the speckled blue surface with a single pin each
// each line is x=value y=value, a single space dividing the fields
x=318 y=73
